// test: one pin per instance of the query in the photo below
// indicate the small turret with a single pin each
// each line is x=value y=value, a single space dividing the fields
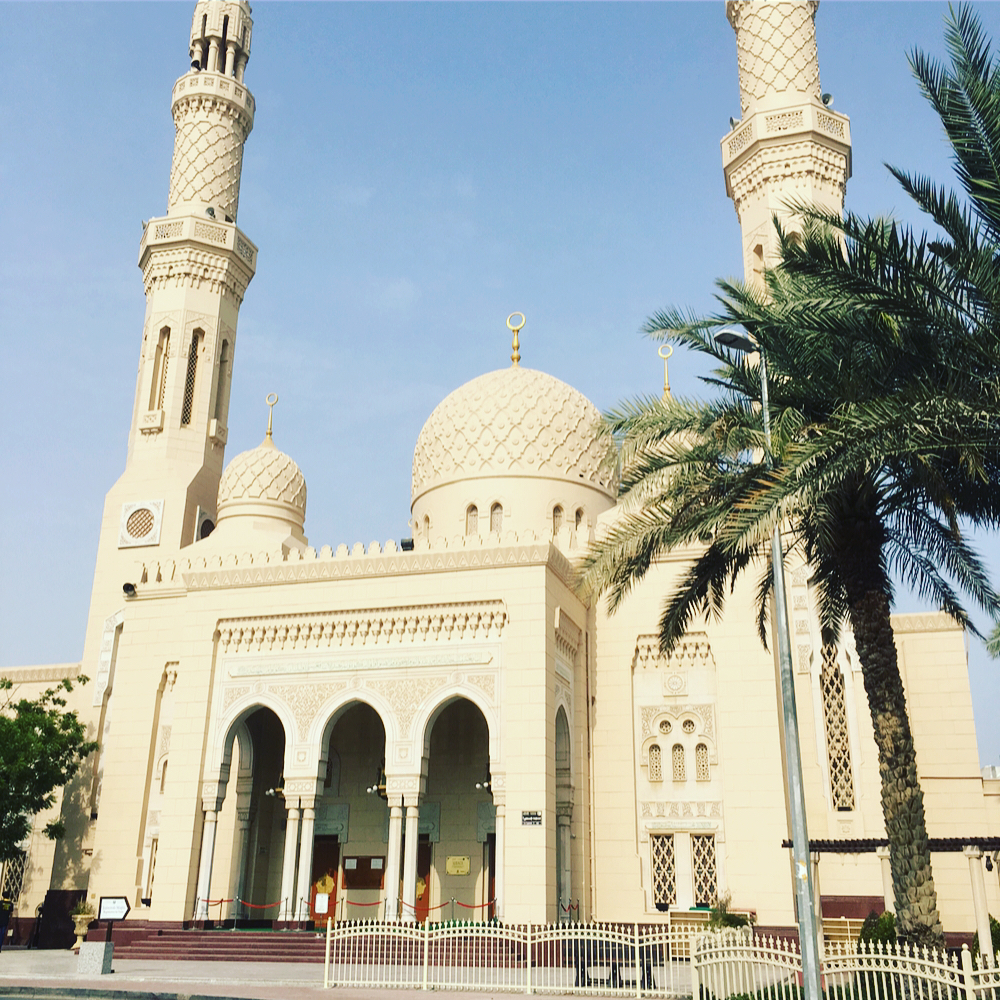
x=220 y=37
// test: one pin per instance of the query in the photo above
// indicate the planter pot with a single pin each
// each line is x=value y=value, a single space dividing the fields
x=80 y=924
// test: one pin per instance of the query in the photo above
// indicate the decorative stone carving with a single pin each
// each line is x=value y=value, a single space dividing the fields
x=105 y=661
x=405 y=697
x=704 y=712
x=233 y=694
x=305 y=700
x=486 y=683
x=681 y=810
x=263 y=473
x=776 y=43
x=694 y=650
x=375 y=627
x=514 y=421
x=140 y=524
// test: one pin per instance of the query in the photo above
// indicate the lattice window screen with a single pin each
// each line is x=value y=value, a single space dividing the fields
x=706 y=883
x=838 y=744
x=677 y=759
x=496 y=518
x=13 y=876
x=702 y=772
x=655 y=763
x=472 y=520
x=664 y=873
x=189 y=379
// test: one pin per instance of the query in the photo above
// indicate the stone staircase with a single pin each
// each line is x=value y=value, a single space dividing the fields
x=175 y=944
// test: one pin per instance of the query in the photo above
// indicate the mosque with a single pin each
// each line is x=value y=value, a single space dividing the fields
x=439 y=725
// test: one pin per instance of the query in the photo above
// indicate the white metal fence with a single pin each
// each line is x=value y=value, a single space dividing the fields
x=630 y=960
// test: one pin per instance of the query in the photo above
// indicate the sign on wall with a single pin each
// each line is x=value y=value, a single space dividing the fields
x=531 y=817
x=456 y=865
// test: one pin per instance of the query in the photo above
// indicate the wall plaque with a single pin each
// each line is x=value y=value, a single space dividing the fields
x=531 y=817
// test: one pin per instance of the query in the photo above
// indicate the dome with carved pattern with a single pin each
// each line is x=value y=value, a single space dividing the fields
x=263 y=482
x=519 y=422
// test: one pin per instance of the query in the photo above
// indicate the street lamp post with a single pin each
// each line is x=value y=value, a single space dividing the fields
x=738 y=340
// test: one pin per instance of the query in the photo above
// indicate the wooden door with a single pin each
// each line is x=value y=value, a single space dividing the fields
x=326 y=861
x=423 y=900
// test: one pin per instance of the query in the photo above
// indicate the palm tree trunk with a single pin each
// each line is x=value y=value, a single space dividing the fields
x=917 y=919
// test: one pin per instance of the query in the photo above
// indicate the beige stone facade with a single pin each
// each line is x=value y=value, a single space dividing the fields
x=438 y=725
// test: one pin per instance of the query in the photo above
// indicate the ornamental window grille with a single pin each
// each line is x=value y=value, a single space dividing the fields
x=665 y=726
x=496 y=519
x=472 y=520
x=192 y=368
x=13 y=876
x=579 y=517
x=664 y=870
x=688 y=726
x=677 y=760
x=838 y=744
x=706 y=882
x=655 y=763
x=702 y=772
x=557 y=519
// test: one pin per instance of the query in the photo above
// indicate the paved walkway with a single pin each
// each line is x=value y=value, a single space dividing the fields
x=52 y=974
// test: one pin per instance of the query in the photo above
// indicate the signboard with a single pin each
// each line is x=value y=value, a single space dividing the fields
x=113 y=908
x=322 y=902
x=456 y=865
x=531 y=817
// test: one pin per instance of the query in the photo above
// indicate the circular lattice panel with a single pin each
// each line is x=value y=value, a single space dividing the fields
x=140 y=522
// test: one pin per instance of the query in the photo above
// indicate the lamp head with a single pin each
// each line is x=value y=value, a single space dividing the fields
x=736 y=338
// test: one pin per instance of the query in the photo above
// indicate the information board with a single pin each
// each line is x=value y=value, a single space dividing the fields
x=113 y=908
x=531 y=817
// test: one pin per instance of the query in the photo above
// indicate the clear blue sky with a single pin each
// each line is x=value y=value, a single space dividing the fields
x=416 y=172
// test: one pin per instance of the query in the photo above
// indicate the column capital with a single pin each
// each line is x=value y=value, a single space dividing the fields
x=882 y=852
x=972 y=851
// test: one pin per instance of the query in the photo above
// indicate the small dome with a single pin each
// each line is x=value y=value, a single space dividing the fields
x=263 y=481
x=515 y=421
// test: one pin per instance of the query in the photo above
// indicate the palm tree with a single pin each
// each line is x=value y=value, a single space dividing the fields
x=883 y=359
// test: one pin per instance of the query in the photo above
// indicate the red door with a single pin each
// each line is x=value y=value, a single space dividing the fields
x=423 y=900
x=326 y=860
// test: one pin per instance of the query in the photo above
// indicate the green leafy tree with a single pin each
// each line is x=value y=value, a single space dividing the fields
x=883 y=356
x=41 y=747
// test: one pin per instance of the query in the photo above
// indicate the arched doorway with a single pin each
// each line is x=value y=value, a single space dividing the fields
x=564 y=815
x=456 y=852
x=352 y=819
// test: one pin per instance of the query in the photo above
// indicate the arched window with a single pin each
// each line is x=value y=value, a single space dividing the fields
x=472 y=520
x=702 y=772
x=427 y=527
x=655 y=763
x=677 y=759
x=222 y=386
x=189 y=378
x=496 y=518
x=163 y=777
x=557 y=519
x=579 y=517
x=158 y=383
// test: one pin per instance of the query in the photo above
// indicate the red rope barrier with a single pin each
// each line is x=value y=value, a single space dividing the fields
x=351 y=902
x=475 y=906
x=260 y=906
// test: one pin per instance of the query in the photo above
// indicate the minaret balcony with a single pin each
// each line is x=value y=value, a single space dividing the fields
x=214 y=85
x=199 y=230
x=765 y=127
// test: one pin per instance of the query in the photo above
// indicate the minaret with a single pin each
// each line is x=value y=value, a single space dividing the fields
x=196 y=265
x=789 y=145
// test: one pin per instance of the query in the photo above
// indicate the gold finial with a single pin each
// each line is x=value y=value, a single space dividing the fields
x=665 y=351
x=515 y=345
x=270 y=399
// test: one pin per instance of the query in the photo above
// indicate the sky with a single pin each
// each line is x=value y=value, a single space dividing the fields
x=416 y=172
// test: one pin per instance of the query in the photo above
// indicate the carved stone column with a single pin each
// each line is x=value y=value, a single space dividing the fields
x=212 y=796
x=410 y=859
x=304 y=891
x=975 y=856
x=394 y=857
x=287 y=909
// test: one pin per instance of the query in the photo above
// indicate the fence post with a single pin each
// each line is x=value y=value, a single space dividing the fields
x=326 y=956
x=427 y=924
x=692 y=943
x=968 y=983
x=638 y=963
x=527 y=979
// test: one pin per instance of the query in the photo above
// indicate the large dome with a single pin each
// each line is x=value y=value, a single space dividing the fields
x=515 y=421
x=263 y=481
